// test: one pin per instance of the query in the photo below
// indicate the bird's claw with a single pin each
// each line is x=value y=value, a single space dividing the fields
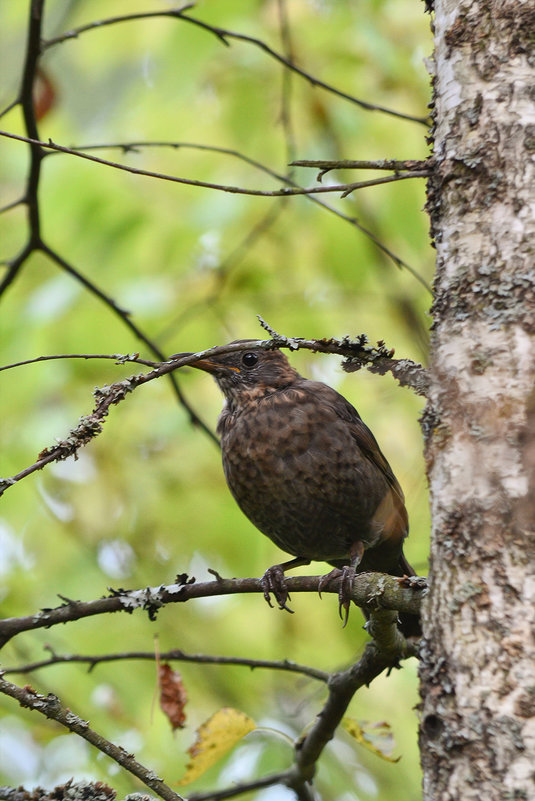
x=274 y=581
x=344 y=593
x=346 y=575
x=327 y=578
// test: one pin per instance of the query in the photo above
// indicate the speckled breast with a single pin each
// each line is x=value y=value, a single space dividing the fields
x=298 y=475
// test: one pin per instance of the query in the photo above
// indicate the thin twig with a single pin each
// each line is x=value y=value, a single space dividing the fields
x=287 y=84
x=380 y=164
x=13 y=205
x=116 y=357
x=223 y=35
x=295 y=189
x=344 y=189
x=245 y=787
x=286 y=179
x=172 y=656
x=9 y=107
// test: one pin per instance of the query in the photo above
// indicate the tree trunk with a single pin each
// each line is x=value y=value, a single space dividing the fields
x=478 y=668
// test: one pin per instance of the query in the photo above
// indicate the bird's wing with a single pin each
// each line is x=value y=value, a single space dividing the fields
x=366 y=441
x=391 y=510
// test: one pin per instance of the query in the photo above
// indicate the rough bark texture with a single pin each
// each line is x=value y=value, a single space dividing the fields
x=478 y=667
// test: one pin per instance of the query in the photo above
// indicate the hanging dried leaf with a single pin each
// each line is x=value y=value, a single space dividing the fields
x=215 y=737
x=44 y=95
x=376 y=737
x=172 y=696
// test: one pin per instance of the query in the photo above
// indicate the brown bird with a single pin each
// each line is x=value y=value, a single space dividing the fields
x=308 y=473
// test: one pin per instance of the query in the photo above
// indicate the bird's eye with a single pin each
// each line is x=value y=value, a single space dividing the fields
x=249 y=359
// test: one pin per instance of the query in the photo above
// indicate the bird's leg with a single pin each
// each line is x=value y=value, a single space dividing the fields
x=346 y=575
x=274 y=581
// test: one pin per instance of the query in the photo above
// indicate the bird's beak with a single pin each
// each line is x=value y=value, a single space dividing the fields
x=205 y=364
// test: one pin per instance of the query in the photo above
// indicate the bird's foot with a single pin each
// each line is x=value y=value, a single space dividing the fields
x=346 y=575
x=274 y=581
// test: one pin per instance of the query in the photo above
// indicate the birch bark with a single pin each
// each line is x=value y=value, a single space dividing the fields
x=478 y=667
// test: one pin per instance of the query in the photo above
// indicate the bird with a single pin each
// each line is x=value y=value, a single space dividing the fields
x=308 y=473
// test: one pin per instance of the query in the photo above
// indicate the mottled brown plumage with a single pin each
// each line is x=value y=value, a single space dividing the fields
x=307 y=472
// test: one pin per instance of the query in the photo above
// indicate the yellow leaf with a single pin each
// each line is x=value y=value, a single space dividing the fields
x=376 y=737
x=215 y=737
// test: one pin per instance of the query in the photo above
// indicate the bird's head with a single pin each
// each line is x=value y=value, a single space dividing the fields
x=246 y=374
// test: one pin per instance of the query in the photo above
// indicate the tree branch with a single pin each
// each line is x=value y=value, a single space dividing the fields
x=381 y=590
x=69 y=791
x=36 y=151
x=359 y=354
x=379 y=655
x=50 y=706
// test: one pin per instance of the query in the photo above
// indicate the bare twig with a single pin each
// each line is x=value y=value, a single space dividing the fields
x=245 y=787
x=286 y=88
x=343 y=189
x=118 y=358
x=223 y=35
x=10 y=107
x=127 y=147
x=326 y=165
x=286 y=179
x=12 y=205
x=50 y=706
x=175 y=655
x=359 y=353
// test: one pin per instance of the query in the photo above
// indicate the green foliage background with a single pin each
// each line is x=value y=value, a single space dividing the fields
x=147 y=499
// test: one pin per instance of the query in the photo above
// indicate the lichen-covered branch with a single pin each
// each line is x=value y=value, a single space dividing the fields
x=359 y=354
x=51 y=707
x=377 y=589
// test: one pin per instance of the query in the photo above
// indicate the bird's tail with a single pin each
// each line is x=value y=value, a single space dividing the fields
x=409 y=625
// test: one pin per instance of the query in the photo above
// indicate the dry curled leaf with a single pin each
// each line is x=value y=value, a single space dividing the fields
x=376 y=737
x=215 y=737
x=44 y=95
x=172 y=696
